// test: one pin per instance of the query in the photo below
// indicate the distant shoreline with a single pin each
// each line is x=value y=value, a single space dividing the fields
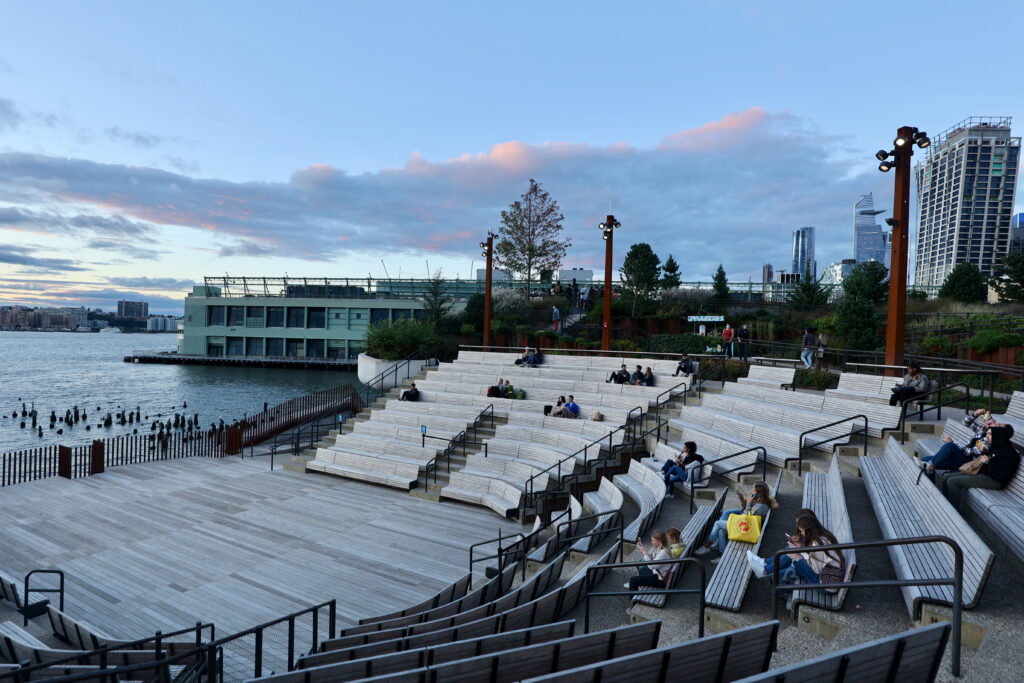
x=21 y=329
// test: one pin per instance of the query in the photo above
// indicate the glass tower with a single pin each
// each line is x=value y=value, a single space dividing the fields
x=869 y=240
x=803 y=252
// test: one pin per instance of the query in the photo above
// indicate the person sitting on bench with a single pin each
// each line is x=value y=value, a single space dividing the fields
x=915 y=383
x=678 y=469
x=648 y=378
x=637 y=377
x=685 y=366
x=813 y=568
x=653 y=575
x=410 y=394
x=951 y=456
x=620 y=377
x=569 y=409
x=757 y=502
x=994 y=470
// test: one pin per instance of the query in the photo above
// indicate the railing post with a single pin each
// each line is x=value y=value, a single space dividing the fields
x=291 y=640
x=958 y=587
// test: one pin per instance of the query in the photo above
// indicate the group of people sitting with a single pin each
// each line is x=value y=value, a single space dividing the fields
x=564 y=408
x=503 y=389
x=640 y=377
x=531 y=358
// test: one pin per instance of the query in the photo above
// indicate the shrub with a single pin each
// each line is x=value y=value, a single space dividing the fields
x=990 y=340
x=467 y=329
x=624 y=345
x=399 y=339
x=813 y=379
x=939 y=346
x=509 y=302
x=679 y=343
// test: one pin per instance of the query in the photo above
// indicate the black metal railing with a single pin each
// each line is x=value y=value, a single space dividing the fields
x=707 y=372
x=956 y=581
x=27 y=610
x=516 y=550
x=596 y=530
x=762 y=459
x=648 y=590
x=452 y=445
x=845 y=435
x=375 y=388
x=305 y=436
x=923 y=408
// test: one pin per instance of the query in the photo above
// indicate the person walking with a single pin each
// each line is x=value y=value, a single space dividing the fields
x=807 y=350
x=556 y=316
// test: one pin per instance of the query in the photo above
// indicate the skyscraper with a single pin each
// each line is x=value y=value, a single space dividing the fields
x=869 y=240
x=803 y=252
x=1017 y=234
x=965 y=188
x=766 y=273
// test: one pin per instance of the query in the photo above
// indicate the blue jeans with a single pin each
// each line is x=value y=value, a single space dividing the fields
x=790 y=570
x=949 y=457
x=674 y=474
x=807 y=357
x=719 y=535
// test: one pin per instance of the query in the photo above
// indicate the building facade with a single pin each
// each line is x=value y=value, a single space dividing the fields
x=767 y=274
x=966 y=185
x=803 y=252
x=869 y=240
x=133 y=309
x=1017 y=234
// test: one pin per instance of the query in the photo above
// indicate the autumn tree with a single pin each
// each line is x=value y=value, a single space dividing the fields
x=641 y=272
x=531 y=234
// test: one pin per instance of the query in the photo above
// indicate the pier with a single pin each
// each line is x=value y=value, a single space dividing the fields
x=171 y=358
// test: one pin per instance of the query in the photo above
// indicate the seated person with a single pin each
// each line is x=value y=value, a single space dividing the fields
x=675 y=542
x=677 y=470
x=522 y=359
x=653 y=575
x=410 y=394
x=501 y=388
x=508 y=391
x=569 y=409
x=620 y=377
x=810 y=567
x=531 y=358
x=648 y=378
x=757 y=502
x=561 y=402
x=997 y=468
x=951 y=456
x=685 y=366
x=915 y=383
x=637 y=376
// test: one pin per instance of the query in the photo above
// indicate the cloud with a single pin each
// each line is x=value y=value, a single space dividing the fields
x=152 y=282
x=125 y=249
x=9 y=116
x=728 y=191
x=138 y=139
x=53 y=222
x=183 y=165
x=23 y=256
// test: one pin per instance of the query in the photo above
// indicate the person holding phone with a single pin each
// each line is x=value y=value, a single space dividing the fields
x=951 y=456
x=652 y=575
x=757 y=502
x=810 y=567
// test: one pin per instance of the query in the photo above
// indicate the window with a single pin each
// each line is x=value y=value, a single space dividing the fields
x=293 y=348
x=296 y=316
x=275 y=316
x=314 y=348
x=236 y=316
x=317 y=318
x=214 y=316
x=236 y=346
x=275 y=347
x=254 y=346
x=215 y=350
x=254 y=312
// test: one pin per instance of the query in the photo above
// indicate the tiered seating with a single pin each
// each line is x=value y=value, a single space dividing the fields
x=905 y=510
x=509 y=471
x=540 y=456
x=407 y=432
x=606 y=503
x=647 y=490
x=728 y=583
x=664 y=452
x=1014 y=416
x=566 y=525
x=824 y=494
x=954 y=429
x=447 y=594
x=662 y=368
x=500 y=496
x=910 y=657
x=718 y=436
x=726 y=656
x=1002 y=511
x=694 y=531
x=432 y=422
x=10 y=594
x=432 y=391
x=771 y=377
x=388 y=471
x=857 y=387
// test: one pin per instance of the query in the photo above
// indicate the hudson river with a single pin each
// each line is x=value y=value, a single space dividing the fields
x=58 y=370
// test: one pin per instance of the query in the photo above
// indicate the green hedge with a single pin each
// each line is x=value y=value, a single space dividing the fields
x=680 y=343
x=990 y=340
x=395 y=341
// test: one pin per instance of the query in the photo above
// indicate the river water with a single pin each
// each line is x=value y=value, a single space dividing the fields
x=58 y=370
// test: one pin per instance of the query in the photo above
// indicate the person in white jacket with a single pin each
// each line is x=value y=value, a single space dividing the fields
x=653 y=575
x=806 y=566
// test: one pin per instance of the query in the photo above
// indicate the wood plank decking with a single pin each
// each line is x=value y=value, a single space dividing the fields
x=165 y=544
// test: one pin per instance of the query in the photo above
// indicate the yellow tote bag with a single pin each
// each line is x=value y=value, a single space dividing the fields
x=746 y=528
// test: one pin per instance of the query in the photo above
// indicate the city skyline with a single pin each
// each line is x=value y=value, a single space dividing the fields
x=131 y=167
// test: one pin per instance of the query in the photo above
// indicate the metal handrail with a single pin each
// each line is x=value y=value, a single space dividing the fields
x=28 y=590
x=762 y=458
x=421 y=353
x=800 y=452
x=502 y=552
x=621 y=528
x=956 y=581
x=657 y=591
x=104 y=673
x=966 y=398
x=658 y=403
x=453 y=444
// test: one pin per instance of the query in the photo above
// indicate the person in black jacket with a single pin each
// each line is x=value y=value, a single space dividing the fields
x=620 y=377
x=999 y=467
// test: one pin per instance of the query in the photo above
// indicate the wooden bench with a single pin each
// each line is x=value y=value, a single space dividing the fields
x=396 y=473
x=714 y=444
x=607 y=497
x=448 y=424
x=860 y=387
x=500 y=496
x=770 y=376
x=510 y=471
x=728 y=583
x=566 y=525
x=909 y=656
x=647 y=490
x=406 y=433
x=694 y=531
x=824 y=494
x=906 y=509
x=954 y=429
x=1014 y=416
x=1002 y=511
x=726 y=656
x=467 y=412
x=539 y=456
x=448 y=594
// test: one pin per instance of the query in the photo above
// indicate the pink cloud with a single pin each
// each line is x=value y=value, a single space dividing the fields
x=730 y=127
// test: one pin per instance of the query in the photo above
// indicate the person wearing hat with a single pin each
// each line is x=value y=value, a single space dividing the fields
x=998 y=467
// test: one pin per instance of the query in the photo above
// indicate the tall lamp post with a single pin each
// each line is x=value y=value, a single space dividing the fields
x=607 y=230
x=488 y=248
x=899 y=158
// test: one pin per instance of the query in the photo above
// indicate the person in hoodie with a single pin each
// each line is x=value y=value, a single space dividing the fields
x=1000 y=466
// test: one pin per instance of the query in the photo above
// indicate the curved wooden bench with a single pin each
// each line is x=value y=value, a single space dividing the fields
x=498 y=495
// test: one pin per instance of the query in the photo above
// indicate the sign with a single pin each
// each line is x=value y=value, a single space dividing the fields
x=705 y=318
x=341 y=418
x=423 y=429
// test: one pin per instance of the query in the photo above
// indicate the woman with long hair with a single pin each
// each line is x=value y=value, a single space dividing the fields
x=807 y=566
x=652 y=575
x=758 y=501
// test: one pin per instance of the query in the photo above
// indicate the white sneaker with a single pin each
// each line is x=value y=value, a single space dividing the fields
x=703 y=550
x=669 y=495
x=756 y=564
x=626 y=585
x=716 y=560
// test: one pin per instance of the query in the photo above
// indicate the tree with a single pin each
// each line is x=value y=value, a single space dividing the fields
x=964 y=283
x=670 y=274
x=531 y=234
x=720 y=284
x=641 y=272
x=436 y=300
x=867 y=281
x=808 y=293
x=1009 y=279
x=473 y=314
x=857 y=324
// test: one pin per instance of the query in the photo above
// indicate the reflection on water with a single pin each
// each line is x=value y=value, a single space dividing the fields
x=57 y=371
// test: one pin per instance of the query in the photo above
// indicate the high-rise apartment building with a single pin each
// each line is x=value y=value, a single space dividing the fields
x=1017 y=234
x=767 y=274
x=133 y=309
x=965 y=187
x=869 y=240
x=803 y=252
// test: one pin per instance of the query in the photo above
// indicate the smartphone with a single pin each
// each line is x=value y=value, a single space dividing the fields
x=639 y=540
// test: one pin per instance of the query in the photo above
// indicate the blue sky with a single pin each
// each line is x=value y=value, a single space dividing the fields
x=145 y=145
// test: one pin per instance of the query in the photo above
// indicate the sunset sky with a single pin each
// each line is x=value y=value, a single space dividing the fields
x=145 y=145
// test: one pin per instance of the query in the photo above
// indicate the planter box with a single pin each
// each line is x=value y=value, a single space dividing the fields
x=369 y=367
x=1004 y=355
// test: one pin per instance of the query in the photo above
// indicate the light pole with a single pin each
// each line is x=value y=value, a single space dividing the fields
x=903 y=149
x=607 y=229
x=488 y=248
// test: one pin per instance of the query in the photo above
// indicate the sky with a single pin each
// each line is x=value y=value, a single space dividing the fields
x=146 y=145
